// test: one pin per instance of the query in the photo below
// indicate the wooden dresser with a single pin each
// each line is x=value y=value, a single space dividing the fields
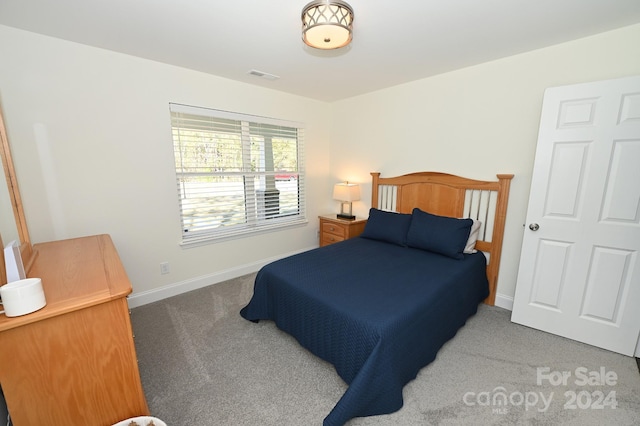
x=333 y=230
x=73 y=362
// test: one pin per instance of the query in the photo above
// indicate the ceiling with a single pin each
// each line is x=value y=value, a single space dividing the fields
x=394 y=42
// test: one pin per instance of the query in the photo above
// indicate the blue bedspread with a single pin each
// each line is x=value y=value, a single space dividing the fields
x=377 y=311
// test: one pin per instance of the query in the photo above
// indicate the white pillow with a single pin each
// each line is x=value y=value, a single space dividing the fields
x=473 y=237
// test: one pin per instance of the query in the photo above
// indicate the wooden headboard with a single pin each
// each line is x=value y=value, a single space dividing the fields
x=454 y=196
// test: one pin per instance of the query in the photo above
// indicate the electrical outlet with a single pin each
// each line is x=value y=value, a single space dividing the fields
x=164 y=268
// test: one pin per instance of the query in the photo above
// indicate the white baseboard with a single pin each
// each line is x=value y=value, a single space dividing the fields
x=505 y=302
x=150 y=296
x=637 y=355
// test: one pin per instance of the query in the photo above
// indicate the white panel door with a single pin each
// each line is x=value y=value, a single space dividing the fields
x=579 y=273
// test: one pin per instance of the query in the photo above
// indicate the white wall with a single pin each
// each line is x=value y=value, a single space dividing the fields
x=475 y=122
x=91 y=141
x=90 y=135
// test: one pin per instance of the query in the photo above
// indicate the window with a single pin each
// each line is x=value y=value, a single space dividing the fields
x=236 y=174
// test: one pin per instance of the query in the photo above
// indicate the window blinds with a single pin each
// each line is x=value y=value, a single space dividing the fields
x=236 y=173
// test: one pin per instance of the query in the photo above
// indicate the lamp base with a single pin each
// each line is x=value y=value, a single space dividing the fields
x=345 y=217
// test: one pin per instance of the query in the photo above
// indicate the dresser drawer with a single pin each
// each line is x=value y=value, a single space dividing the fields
x=336 y=229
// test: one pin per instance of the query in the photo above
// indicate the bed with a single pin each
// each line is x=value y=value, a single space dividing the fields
x=380 y=306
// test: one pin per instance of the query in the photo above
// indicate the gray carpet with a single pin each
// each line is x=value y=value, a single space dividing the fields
x=203 y=364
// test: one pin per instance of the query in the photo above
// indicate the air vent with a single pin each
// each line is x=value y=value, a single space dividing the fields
x=264 y=75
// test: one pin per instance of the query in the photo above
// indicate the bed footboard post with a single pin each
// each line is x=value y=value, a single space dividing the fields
x=504 y=182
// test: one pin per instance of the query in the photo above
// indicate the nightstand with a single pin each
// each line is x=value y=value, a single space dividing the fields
x=333 y=230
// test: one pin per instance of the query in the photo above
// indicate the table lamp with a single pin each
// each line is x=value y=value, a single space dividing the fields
x=346 y=193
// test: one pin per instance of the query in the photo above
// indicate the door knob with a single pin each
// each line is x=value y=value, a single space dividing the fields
x=534 y=226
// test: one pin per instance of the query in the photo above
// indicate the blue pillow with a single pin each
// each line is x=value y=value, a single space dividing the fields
x=439 y=234
x=387 y=226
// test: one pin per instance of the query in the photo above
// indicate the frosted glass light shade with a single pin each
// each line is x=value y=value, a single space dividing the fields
x=327 y=24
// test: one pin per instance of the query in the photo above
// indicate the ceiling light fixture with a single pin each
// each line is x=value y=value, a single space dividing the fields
x=327 y=24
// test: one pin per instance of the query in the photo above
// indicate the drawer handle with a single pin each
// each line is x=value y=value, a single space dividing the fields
x=333 y=229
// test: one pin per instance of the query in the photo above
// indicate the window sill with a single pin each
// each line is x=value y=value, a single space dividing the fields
x=238 y=234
